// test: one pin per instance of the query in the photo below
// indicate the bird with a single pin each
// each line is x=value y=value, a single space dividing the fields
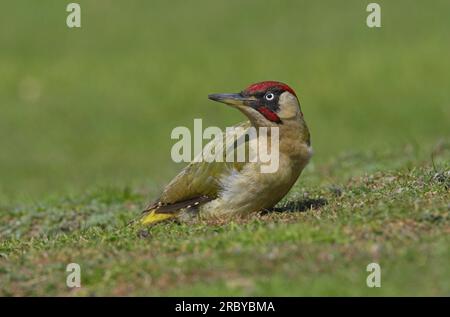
x=221 y=189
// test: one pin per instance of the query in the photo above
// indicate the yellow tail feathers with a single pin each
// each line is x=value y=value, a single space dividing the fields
x=153 y=217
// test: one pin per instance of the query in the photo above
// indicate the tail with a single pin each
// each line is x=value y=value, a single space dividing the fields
x=152 y=217
x=158 y=211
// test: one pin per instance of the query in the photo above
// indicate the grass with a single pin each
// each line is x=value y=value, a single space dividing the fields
x=85 y=122
x=397 y=216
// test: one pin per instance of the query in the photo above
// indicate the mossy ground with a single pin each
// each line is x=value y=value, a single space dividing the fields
x=397 y=216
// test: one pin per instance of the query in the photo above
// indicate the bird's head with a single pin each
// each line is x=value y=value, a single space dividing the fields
x=268 y=103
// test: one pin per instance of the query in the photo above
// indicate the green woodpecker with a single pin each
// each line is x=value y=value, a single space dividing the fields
x=220 y=188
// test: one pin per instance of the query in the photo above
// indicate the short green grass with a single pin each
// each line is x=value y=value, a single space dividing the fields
x=397 y=215
x=85 y=122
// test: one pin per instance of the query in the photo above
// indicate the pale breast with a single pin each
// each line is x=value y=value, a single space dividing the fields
x=249 y=190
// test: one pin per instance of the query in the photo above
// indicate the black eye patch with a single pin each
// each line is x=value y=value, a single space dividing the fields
x=262 y=101
x=271 y=104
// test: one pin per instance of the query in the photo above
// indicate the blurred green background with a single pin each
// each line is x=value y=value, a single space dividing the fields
x=96 y=105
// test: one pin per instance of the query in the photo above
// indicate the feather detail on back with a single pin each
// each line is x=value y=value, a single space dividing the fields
x=200 y=181
x=202 y=178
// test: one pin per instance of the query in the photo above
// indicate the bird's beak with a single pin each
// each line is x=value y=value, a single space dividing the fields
x=231 y=99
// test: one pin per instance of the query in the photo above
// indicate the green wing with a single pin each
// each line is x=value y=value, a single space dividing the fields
x=200 y=179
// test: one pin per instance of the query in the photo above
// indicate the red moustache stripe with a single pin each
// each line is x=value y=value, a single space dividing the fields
x=269 y=114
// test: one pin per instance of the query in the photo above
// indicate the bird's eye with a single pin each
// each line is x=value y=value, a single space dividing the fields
x=269 y=96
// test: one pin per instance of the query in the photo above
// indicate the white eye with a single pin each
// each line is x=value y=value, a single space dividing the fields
x=269 y=96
